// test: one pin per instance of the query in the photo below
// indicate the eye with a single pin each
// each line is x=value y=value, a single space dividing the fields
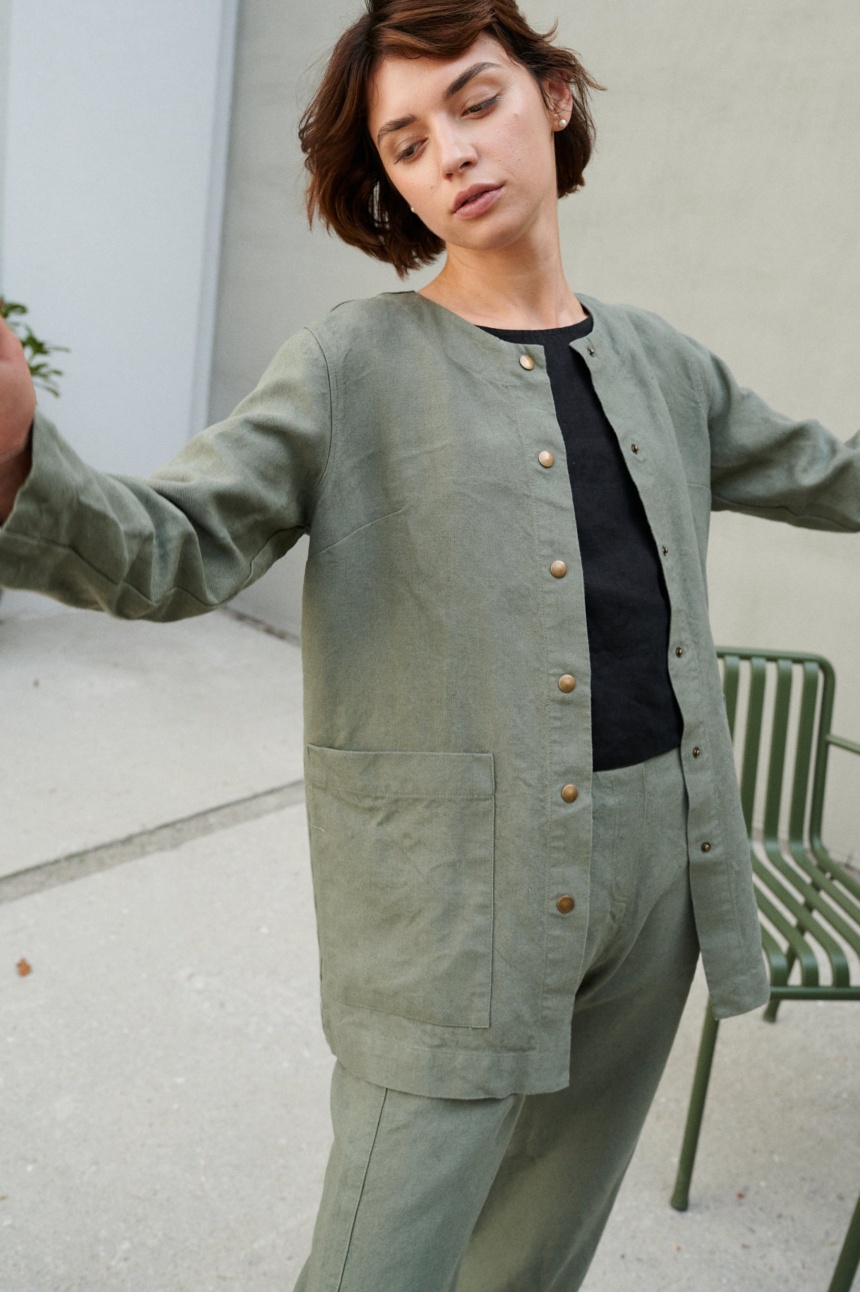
x=407 y=153
x=477 y=108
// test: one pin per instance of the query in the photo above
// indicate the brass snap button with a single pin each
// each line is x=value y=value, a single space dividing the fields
x=706 y=847
x=546 y=459
x=527 y=362
x=565 y=904
x=558 y=569
x=570 y=793
x=566 y=683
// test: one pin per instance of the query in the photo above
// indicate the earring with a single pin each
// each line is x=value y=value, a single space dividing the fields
x=562 y=122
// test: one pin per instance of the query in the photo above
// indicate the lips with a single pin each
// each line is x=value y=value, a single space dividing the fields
x=470 y=195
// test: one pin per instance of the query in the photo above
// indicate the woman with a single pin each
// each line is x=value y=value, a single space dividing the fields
x=524 y=820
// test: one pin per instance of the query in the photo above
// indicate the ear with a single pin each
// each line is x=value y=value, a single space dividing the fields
x=558 y=97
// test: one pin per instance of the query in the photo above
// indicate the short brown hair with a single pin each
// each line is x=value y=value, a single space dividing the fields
x=348 y=188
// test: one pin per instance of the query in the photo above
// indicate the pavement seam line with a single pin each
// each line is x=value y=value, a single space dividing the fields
x=160 y=838
x=260 y=626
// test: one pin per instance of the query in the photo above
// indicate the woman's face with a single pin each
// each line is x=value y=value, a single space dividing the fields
x=468 y=143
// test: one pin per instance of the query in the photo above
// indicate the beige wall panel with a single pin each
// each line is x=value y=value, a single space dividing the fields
x=724 y=195
x=275 y=274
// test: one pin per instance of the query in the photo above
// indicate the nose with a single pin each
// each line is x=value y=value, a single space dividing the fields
x=456 y=153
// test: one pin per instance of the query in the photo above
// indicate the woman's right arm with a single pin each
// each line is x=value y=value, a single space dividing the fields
x=17 y=409
x=187 y=538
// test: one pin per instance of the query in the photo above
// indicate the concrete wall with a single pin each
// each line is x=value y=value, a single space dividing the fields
x=276 y=275
x=724 y=196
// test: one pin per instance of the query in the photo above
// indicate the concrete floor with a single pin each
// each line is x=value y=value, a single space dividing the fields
x=163 y=1078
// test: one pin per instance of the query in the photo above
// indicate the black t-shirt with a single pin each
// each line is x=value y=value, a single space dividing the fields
x=634 y=713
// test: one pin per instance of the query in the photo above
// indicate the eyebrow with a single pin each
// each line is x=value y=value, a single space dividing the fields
x=454 y=88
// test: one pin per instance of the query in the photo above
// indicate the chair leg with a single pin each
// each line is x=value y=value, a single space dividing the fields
x=769 y=1015
x=849 y=1257
x=681 y=1195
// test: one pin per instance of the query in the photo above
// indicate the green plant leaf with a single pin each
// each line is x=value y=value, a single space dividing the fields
x=36 y=351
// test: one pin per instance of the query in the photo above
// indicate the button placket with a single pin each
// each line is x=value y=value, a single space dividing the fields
x=565 y=884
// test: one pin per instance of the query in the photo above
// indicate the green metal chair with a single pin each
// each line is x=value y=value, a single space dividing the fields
x=780 y=706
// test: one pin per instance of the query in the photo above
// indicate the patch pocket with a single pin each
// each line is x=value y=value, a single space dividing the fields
x=402 y=849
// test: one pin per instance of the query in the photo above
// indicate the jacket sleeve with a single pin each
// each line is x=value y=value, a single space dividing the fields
x=198 y=531
x=765 y=464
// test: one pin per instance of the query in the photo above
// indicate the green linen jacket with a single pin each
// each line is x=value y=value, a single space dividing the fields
x=426 y=463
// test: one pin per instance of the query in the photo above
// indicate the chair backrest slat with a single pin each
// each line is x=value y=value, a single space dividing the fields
x=819 y=774
x=731 y=688
x=778 y=747
x=806 y=740
x=752 y=738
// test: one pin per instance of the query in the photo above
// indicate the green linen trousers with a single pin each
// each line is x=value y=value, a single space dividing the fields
x=512 y=1194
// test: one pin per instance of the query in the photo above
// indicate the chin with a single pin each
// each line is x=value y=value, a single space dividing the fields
x=491 y=240
x=486 y=234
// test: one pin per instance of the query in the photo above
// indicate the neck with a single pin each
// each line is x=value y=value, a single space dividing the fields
x=508 y=287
